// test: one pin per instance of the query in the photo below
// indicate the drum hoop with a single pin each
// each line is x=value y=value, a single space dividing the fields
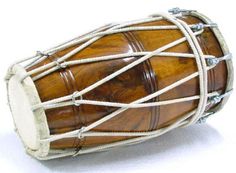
x=225 y=49
x=40 y=121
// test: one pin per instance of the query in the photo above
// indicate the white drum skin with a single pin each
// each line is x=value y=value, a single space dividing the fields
x=30 y=125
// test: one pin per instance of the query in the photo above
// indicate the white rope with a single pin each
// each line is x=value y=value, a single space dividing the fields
x=113 y=114
x=85 y=134
x=156 y=133
x=202 y=70
x=111 y=76
x=112 y=26
x=73 y=41
x=113 y=57
x=40 y=55
x=94 y=37
x=140 y=138
x=124 y=105
x=91 y=37
x=159 y=132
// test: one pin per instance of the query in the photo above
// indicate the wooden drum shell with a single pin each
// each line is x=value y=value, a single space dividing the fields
x=142 y=80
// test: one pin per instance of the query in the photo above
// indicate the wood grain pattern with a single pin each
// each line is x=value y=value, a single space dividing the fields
x=144 y=79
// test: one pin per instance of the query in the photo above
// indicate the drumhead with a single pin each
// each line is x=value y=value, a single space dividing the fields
x=30 y=125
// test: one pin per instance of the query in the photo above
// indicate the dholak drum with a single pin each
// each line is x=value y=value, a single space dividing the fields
x=120 y=84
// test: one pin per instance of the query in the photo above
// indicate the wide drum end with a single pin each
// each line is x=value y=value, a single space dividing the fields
x=30 y=125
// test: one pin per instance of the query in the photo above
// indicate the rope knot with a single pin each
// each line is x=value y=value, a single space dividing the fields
x=80 y=132
x=39 y=53
x=59 y=65
x=74 y=96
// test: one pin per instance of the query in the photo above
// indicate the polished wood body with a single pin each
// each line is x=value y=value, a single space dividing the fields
x=144 y=79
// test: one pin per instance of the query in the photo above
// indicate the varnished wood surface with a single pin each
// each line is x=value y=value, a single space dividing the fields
x=142 y=80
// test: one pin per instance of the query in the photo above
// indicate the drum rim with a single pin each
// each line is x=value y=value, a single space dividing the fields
x=40 y=121
x=229 y=64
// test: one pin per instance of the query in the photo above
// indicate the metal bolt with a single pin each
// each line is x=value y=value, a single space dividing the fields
x=212 y=61
x=198 y=27
x=204 y=118
x=177 y=10
x=216 y=99
x=201 y=120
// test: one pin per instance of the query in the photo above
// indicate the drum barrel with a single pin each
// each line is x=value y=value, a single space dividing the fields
x=148 y=77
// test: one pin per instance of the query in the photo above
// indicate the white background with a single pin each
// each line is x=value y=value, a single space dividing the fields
x=27 y=26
